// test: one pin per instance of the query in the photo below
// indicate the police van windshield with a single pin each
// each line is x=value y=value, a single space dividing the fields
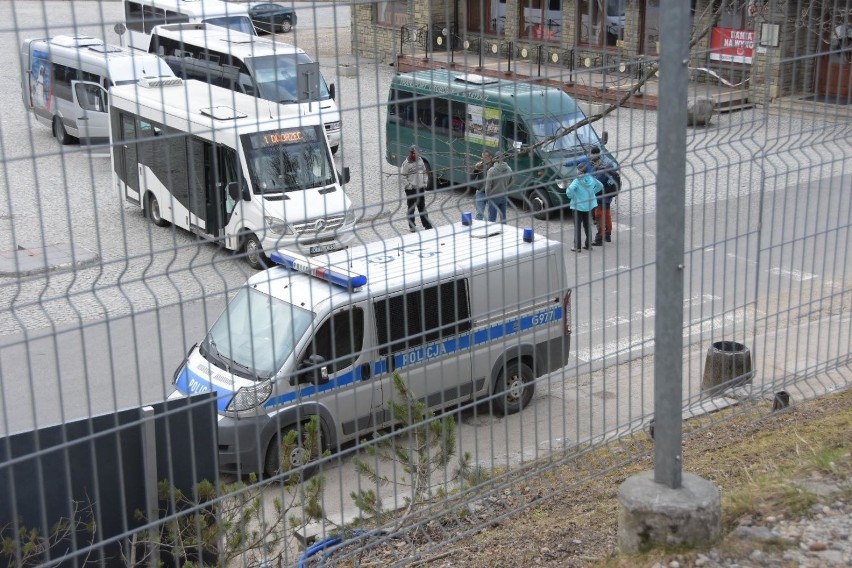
x=290 y=159
x=237 y=23
x=255 y=334
x=576 y=141
x=276 y=77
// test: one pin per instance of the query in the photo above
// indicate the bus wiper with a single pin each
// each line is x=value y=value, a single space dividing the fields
x=287 y=101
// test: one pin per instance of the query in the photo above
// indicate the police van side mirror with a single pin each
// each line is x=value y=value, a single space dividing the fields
x=604 y=137
x=331 y=92
x=311 y=371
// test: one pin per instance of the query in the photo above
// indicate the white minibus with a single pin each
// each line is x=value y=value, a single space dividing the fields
x=467 y=312
x=250 y=177
x=141 y=16
x=257 y=66
x=64 y=82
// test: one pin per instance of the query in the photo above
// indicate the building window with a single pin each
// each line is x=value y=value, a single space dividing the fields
x=393 y=13
x=651 y=26
x=733 y=15
x=600 y=22
x=540 y=20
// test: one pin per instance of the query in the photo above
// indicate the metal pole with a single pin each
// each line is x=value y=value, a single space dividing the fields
x=539 y=61
x=509 y=54
x=671 y=173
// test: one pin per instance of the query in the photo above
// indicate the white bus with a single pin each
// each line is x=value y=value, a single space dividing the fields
x=64 y=82
x=251 y=177
x=141 y=16
x=256 y=66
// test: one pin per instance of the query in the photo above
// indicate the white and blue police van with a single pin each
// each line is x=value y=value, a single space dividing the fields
x=467 y=312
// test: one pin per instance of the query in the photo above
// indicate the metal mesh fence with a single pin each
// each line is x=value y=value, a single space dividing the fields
x=162 y=399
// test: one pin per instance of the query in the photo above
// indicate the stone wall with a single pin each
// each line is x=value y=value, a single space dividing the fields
x=774 y=72
x=782 y=71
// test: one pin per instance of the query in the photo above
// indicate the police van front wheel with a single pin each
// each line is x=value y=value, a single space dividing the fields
x=295 y=449
x=514 y=388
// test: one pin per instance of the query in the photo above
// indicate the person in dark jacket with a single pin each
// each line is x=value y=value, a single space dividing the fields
x=479 y=170
x=498 y=182
x=605 y=173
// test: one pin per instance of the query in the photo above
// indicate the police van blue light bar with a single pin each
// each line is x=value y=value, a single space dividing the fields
x=337 y=276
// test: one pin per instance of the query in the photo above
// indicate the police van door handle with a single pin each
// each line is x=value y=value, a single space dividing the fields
x=365 y=371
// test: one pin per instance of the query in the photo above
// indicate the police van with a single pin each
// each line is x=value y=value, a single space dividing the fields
x=65 y=79
x=466 y=312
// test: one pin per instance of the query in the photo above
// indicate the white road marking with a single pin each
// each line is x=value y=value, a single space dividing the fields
x=796 y=275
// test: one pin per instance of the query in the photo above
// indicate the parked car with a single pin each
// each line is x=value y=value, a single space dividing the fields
x=272 y=18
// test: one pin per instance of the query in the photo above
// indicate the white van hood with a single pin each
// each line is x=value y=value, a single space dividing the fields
x=300 y=206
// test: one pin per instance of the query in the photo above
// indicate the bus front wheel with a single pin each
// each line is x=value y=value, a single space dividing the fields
x=60 y=133
x=254 y=252
x=152 y=211
x=540 y=203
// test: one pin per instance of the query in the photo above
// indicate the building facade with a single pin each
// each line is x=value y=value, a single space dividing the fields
x=772 y=48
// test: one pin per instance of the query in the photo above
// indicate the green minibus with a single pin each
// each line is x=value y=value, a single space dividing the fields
x=453 y=116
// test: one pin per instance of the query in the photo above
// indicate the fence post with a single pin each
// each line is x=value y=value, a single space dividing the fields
x=671 y=180
x=667 y=507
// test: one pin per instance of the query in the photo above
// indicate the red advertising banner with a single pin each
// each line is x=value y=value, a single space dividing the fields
x=727 y=44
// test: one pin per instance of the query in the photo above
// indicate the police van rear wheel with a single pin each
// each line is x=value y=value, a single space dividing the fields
x=514 y=388
x=290 y=450
x=254 y=253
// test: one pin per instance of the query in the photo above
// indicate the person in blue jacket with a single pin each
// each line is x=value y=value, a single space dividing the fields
x=582 y=197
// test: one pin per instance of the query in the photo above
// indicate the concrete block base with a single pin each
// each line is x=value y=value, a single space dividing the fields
x=651 y=514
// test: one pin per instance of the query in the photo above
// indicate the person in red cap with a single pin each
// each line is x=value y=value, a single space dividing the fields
x=415 y=179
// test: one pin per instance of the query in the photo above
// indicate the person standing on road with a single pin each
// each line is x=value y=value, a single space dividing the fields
x=498 y=182
x=605 y=173
x=479 y=170
x=582 y=197
x=415 y=179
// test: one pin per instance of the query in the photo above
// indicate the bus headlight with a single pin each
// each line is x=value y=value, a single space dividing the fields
x=250 y=397
x=277 y=226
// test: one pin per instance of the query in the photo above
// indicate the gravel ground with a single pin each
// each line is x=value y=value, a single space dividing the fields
x=521 y=525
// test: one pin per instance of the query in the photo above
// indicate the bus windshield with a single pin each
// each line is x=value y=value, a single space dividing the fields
x=237 y=23
x=290 y=159
x=577 y=141
x=255 y=334
x=276 y=78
